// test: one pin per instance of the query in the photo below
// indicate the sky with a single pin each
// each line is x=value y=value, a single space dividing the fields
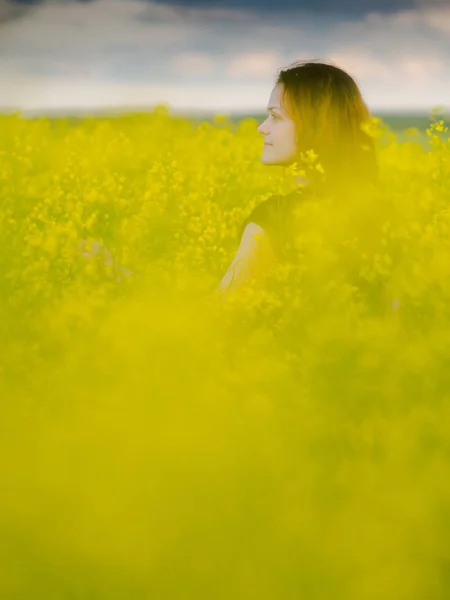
x=216 y=55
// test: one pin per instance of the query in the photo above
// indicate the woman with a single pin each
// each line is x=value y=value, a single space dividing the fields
x=313 y=106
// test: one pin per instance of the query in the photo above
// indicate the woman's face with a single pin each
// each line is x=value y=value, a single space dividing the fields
x=279 y=133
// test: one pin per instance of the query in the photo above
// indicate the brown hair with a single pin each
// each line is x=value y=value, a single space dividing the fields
x=328 y=110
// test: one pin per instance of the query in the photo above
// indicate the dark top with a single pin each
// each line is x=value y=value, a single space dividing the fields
x=275 y=215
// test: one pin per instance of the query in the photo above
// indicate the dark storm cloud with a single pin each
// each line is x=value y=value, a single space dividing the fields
x=36 y=2
x=347 y=7
x=11 y=10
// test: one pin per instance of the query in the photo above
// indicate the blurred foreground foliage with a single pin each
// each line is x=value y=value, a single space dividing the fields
x=157 y=442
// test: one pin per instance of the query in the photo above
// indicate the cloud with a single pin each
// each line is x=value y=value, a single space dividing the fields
x=361 y=64
x=365 y=67
x=437 y=18
x=90 y=32
x=83 y=93
x=154 y=11
x=11 y=10
x=254 y=64
x=433 y=14
x=62 y=50
x=343 y=7
x=423 y=70
x=193 y=63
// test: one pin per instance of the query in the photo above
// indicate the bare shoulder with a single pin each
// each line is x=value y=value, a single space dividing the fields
x=255 y=248
x=254 y=257
x=253 y=237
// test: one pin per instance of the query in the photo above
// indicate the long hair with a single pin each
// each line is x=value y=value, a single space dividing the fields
x=329 y=113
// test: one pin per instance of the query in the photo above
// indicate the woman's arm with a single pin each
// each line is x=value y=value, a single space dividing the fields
x=254 y=257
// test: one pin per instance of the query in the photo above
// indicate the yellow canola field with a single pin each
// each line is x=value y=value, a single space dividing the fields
x=159 y=443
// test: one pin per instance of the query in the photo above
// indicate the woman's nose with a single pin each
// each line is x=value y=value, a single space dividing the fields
x=261 y=128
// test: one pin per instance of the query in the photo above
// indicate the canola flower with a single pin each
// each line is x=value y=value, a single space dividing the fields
x=157 y=442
